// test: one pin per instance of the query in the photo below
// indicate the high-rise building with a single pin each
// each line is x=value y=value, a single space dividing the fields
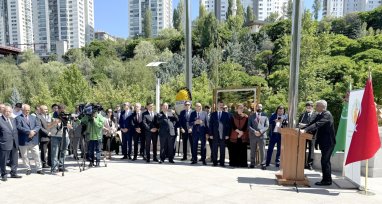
x=219 y=7
x=338 y=8
x=264 y=8
x=351 y=6
x=16 y=26
x=56 y=21
x=333 y=8
x=161 y=11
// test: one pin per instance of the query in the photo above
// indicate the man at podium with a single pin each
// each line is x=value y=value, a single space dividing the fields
x=323 y=126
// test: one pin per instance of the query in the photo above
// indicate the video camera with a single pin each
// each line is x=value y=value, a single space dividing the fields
x=89 y=109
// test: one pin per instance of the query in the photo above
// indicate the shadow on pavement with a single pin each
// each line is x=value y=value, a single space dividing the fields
x=317 y=191
x=256 y=180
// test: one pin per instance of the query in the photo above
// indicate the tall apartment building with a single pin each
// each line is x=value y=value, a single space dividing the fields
x=58 y=21
x=264 y=8
x=16 y=26
x=338 y=8
x=161 y=15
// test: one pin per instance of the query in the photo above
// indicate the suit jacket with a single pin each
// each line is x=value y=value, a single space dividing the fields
x=126 y=121
x=258 y=124
x=150 y=122
x=225 y=120
x=272 y=123
x=8 y=136
x=25 y=127
x=323 y=126
x=305 y=118
x=167 y=124
x=184 y=120
x=44 y=131
x=201 y=129
x=138 y=123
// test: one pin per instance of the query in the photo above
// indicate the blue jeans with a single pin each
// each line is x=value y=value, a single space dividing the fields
x=94 y=145
x=58 y=159
x=274 y=139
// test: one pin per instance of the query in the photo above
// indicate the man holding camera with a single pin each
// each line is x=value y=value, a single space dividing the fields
x=94 y=124
x=60 y=138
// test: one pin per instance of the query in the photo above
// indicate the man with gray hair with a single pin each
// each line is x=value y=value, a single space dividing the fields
x=28 y=127
x=323 y=127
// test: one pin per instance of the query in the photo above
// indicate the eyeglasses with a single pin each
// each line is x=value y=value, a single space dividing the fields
x=187 y=105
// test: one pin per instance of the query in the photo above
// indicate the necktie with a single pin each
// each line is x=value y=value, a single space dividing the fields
x=219 y=115
x=9 y=121
x=151 y=114
x=27 y=119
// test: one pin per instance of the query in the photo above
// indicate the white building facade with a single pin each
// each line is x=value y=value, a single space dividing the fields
x=161 y=10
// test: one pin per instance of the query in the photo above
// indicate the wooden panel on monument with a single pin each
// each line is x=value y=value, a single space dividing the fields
x=292 y=157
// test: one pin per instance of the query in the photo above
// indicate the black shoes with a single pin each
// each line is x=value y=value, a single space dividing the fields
x=263 y=167
x=194 y=162
x=45 y=166
x=28 y=172
x=184 y=159
x=4 y=178
x=160 y=162
x=147 y=160
x=251 y=166
x=124 y=157
x=15 y=176
x=155 y=159
x=40 y=172
x=323 y=183
x=215 y=164
x=204 y=163
x=135 y=158
x=222 y=165
x=309 y=166
x=171 y=161
x=129 y=157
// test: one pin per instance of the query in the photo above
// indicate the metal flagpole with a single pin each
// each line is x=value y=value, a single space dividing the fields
x=188 y=46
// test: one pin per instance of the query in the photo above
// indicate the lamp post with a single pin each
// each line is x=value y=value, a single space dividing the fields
x=188 y=46
x=157 y=86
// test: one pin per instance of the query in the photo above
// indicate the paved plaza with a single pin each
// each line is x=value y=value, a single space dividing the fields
x=138 y=182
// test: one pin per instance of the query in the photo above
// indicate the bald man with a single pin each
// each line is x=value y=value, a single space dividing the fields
x=28 y=127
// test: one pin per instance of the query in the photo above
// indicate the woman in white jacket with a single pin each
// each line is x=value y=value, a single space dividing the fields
x=109 y=131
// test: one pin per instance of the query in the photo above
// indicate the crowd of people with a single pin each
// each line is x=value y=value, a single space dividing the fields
x=136 y=131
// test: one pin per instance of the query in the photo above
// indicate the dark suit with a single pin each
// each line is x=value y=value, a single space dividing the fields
x=44 y=139
x=323 y=126
x=150 y=122
x=167 y=135
x=275 y=138
x=306 y=118
x=199 y=132
x=125 y=121
x=24 y=127
x=184 y=122
x=9 y=143
x=219 y=129
x=138 y=137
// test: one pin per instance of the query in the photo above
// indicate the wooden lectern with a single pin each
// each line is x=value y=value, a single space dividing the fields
x=292 y=162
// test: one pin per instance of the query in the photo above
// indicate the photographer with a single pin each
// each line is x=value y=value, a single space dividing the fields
x=60 y=136
x=94 y=124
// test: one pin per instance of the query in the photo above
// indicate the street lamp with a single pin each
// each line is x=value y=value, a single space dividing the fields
x=157 y=87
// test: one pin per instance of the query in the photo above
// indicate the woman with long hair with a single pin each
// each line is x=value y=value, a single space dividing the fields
x=109 y=130
x=238 y=138
x=278 y=120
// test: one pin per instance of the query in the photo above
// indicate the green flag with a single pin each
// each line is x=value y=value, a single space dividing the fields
x=341 y=131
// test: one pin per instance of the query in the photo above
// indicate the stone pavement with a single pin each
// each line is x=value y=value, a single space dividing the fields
x=138 y=182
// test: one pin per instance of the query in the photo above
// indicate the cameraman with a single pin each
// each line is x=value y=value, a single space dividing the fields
x=60 y=136
x=94 y=125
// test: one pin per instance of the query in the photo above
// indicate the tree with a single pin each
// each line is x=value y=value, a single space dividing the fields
x=147 y=23
x=202 y=11
x=229 y=8
x=316 y=8
x=71 y=87
x=273 y=17
x=178 y=16
x=250 y=16
x=145 y=50
x=15 y=97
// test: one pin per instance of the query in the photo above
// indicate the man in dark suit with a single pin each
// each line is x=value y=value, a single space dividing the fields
x=186 y=130
x=139 y=136
x=28 y=127
x=45 y=134
x=9 y=143
x=150 y=124
x=167 y=133
x=323 y=126
x=219 y=128
x=304 y=120
x=127 y=129
x=199 y=124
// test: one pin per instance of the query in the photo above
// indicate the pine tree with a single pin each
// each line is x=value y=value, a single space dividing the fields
x=15 y=97
x=250 y=16
x=316 y=8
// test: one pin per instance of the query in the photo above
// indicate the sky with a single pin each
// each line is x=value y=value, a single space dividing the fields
x=111 y=16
